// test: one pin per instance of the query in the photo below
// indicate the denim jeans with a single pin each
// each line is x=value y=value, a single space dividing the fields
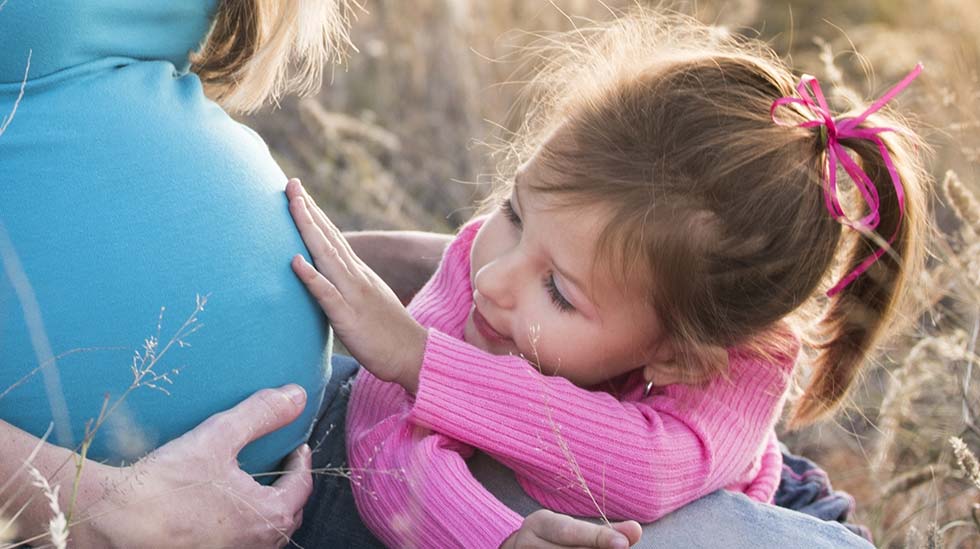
x=721 y=519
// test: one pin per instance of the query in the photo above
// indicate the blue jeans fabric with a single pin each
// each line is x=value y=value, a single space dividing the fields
x=805 y=487
x=330 y=517
x=721 y=519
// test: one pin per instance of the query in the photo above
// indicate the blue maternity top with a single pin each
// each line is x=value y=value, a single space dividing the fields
x=125 y=192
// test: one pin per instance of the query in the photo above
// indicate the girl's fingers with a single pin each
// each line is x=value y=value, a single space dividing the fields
x=325 y=293
x=321 y=219
x=631 y=529
x=328 y=256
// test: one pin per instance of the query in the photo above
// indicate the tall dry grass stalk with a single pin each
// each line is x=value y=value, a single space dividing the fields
x=146 y=373
x=8 y=530
x=9 y=117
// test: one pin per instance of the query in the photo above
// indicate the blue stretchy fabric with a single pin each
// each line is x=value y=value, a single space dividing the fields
x=124 y=190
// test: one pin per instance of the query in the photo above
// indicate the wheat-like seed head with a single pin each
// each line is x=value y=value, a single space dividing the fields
x=962 y=200
x=906 y=385
x=966 y=460
x=58 y=525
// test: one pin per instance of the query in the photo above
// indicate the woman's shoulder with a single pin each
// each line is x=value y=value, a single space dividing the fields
x=467 y=233
x=457 y=254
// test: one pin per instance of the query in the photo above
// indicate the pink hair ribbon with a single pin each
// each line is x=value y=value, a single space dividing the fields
x=847 y=128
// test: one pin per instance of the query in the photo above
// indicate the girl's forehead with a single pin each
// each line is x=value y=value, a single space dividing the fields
x=569 y=235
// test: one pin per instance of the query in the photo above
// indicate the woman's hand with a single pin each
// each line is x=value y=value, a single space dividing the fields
x=546 y=530
x=192 y=493
x=363 y=310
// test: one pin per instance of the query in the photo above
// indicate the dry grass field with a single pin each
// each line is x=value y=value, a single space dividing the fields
x=403 y=137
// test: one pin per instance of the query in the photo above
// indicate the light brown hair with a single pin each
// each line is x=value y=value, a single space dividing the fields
x=258 y=50
x=718 y=208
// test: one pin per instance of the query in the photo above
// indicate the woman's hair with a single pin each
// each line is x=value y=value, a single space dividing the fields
x=716 y=209
x=260 y=49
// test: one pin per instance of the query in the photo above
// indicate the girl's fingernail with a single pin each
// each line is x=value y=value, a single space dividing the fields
x=620 y=542
x=296 y=394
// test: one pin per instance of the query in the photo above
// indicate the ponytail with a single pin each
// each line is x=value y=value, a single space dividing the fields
x=861 y=312
x=246 y=57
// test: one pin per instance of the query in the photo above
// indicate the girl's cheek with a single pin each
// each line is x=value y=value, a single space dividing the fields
x=535 y=340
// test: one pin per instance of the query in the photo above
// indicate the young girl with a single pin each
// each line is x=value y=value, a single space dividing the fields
x=616 y=329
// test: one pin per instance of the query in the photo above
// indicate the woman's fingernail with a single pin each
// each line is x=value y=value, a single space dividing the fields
x=296 y=394
x=620 y=542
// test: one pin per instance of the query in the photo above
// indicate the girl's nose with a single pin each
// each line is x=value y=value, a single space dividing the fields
x=497 y=281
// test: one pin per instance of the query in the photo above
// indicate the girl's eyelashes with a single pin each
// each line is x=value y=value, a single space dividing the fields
x=508 y=208
x=563 y=305
x=559 y=300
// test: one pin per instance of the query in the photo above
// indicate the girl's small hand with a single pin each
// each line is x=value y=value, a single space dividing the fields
x=366 y=314
x=546 y=530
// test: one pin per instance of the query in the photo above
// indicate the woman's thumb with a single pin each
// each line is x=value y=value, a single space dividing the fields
x=256 y=416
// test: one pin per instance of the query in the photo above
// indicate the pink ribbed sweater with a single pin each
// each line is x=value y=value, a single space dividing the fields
x=641 y=456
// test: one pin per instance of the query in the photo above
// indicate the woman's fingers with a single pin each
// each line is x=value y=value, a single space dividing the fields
x=296 y=483
x=198 y=476
x=256 y=416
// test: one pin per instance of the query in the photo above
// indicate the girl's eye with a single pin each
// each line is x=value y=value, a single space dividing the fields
x=559 y=300
x=508 y=208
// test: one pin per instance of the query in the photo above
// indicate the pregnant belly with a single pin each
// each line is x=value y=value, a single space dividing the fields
x=126 y=199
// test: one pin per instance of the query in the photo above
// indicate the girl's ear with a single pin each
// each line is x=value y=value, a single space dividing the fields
x=659 y=363
x=667 y=367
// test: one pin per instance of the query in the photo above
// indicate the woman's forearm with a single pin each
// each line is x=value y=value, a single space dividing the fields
x=403 y=259
x=190 y=492
x=21 y=498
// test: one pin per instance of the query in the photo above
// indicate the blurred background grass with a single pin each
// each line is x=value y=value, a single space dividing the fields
x=397 y=140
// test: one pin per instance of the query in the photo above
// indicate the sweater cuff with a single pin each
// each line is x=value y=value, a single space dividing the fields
x=435 y=372
x=441 y=397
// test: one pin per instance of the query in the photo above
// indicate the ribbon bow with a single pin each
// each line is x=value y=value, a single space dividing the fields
x=847 y=128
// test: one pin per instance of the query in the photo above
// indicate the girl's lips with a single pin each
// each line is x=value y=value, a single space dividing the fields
x=484 y=327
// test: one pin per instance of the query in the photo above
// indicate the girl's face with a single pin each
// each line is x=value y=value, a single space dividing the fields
x=536 y=294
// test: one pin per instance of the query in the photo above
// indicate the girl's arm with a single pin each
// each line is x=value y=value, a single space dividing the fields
x=173 y=496
x=414 y=489
x=639 y=459
x=583 y=452
x=412 y=486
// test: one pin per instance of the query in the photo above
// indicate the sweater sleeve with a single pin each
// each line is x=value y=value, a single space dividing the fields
x=587 y=453
x=411 y=485
x=763 y=486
